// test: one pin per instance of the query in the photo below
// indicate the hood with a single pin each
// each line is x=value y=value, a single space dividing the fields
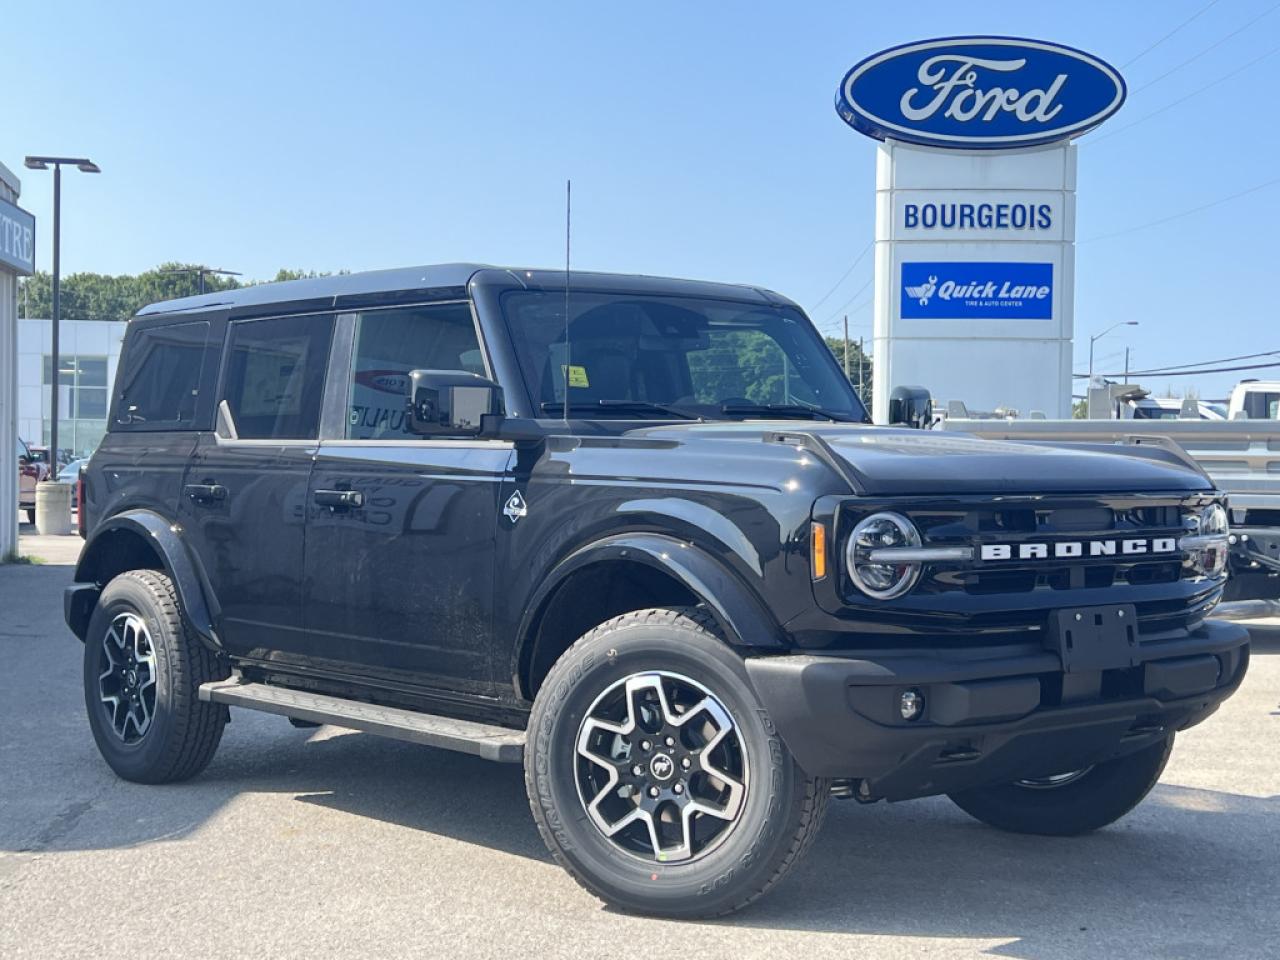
x=889 y=462
x=924 y=462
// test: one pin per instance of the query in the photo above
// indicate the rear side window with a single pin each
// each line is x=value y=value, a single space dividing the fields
x=161 y=380
x=275 y=376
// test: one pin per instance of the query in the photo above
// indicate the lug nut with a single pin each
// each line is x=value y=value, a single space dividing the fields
x=645 y=745
x=637 y=770
x=653 y=791
x=678 y=788
x=684 y=762
x=670 y=742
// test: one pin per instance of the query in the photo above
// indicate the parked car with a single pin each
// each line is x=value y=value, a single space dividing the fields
x=1255 y=400
x=1168 y=408
x=30 y=472
x=71 y=474
x=639 y=535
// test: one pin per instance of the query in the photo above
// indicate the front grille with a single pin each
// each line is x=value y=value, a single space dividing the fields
x=1011 y=597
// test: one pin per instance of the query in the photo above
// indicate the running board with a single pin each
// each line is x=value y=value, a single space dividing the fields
x=465 y=736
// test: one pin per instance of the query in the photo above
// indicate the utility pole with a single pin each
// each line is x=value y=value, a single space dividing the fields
x=846 y=346
x=1126 y=364
x=862 y=386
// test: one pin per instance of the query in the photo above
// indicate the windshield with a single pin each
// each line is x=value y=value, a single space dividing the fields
x=633 y=355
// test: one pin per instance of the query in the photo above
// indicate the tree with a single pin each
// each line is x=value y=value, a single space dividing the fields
x=836 y=346
x=98 y=296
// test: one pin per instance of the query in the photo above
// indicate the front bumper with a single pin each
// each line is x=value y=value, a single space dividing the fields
x=991 y=715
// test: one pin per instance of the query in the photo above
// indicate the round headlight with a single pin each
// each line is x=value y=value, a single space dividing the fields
x=1214 y=521
x=881 y=578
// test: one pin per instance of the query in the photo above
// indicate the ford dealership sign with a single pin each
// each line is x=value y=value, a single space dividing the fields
x=979 y=93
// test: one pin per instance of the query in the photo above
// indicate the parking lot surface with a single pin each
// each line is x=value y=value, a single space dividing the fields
x=302 y=843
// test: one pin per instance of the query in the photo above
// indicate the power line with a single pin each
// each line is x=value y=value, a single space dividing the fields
x=840 y=309
x=1194 y=16
x=844 y=276
x=1211 y=47
x=1184 y=213
x=1169 y=106
x=1208 y=363
x=1184 y=373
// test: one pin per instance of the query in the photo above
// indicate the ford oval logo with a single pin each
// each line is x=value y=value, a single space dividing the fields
x=979 y=93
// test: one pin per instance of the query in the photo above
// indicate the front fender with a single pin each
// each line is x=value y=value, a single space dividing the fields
x=98 y=564
x=735 y=607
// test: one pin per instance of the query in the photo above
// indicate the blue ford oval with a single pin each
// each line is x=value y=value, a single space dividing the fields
x=979 y=93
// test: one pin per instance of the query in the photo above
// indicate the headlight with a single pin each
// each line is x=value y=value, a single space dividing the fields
x=1207 y=548
x=882 y=579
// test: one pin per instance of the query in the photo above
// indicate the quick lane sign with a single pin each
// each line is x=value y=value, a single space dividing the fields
x=977 y=291
x=17 y=239
x=979 y=93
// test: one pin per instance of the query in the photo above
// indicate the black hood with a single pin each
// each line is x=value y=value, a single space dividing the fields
x=886 y=461
x=890 y=461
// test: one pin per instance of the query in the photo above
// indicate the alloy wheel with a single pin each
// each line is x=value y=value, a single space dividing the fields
x=660 y=767
x=127 y=683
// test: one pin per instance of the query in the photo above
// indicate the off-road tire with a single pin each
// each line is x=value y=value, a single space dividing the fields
x=1101 y=796
x=781 y=812
x=184 y=731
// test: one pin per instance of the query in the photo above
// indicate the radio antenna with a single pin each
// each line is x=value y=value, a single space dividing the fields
x=568 y=357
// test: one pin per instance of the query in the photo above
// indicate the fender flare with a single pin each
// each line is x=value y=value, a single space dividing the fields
x=180 y=564
x=735 y=607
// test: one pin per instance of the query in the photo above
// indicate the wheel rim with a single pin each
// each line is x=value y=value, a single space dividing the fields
x=1057 y=780
x=127 y=684
x=660 y=767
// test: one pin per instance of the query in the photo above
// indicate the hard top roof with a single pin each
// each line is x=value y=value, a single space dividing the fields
x=438 y=277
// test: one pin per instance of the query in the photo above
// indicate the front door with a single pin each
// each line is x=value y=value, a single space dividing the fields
x=401 y=529
x=244 y=491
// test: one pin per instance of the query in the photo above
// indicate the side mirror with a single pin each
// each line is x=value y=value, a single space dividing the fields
x=911 y=407
x=450 y=403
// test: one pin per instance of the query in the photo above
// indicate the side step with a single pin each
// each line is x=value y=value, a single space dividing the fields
x=465 y=736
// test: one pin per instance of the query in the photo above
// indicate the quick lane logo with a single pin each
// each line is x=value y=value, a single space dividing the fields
x=1079 y=549
x=977 y=291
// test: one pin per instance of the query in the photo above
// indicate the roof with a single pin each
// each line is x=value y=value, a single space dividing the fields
x=435 y=276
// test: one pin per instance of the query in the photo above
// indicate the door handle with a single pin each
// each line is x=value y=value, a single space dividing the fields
x=339 y=499
x=205 y=492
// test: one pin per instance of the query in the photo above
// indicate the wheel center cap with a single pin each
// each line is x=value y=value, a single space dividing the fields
x=661 y=767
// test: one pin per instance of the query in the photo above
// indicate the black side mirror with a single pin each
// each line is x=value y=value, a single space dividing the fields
x=450 y=403
x=911 y=407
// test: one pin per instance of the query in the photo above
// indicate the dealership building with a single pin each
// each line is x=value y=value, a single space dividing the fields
x=17 y=259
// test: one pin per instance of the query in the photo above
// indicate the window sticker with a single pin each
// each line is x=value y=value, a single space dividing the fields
x=577 y=375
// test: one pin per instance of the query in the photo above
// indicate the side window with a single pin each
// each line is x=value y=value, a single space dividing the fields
x=161 y=377
x=390 y=343
x=275 y=376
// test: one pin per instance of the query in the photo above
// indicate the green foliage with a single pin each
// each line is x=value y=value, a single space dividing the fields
x=98 y=296
x=1080 y=410
x=836 y=346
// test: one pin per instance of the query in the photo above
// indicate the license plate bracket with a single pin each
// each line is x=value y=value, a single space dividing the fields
x=1095 y=638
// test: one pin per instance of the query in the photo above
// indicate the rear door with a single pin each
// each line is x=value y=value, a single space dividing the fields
x=400 y=578
x=244 y=490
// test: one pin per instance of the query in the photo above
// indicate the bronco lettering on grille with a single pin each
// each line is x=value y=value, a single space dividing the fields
x=1072 y=549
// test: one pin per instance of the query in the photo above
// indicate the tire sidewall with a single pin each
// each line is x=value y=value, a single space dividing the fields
x=759 y=837
x=128 y=594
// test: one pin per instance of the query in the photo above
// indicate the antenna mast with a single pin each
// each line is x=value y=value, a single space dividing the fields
x=568 y=357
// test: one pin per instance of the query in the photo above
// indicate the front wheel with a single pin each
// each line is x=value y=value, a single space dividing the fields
x=656 y=776
x=1073 y=802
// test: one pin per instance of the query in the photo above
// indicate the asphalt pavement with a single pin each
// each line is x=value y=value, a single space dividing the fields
x=306 y=843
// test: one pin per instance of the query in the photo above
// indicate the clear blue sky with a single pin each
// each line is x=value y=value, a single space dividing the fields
x=701 y=140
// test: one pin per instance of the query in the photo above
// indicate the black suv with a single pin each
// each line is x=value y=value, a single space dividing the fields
x=639 y=535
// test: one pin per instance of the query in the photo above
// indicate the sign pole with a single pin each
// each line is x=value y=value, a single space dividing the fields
x=57 y=316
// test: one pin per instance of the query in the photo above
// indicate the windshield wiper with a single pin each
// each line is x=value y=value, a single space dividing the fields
x=622 y=406
x=784 y=410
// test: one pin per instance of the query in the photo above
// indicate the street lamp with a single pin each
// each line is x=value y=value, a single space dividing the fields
x=84 y=166
x=1098 y=336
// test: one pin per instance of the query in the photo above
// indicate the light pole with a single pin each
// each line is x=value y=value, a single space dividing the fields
x=84 y=166
x=1098 y=336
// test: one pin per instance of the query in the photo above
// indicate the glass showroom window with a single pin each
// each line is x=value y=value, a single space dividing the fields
x=82 y=402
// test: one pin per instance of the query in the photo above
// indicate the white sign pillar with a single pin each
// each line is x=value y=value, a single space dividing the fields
x=975 y=276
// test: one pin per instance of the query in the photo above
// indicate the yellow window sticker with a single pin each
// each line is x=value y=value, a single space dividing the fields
x=576 y=375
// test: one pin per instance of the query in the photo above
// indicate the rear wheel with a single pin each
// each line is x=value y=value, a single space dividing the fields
x=656 y=776
x=1072 y=802
x=142 y=672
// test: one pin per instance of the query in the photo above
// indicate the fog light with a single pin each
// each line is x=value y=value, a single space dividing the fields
x=910 y=704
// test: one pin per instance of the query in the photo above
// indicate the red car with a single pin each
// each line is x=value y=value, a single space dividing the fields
x=31 y=470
